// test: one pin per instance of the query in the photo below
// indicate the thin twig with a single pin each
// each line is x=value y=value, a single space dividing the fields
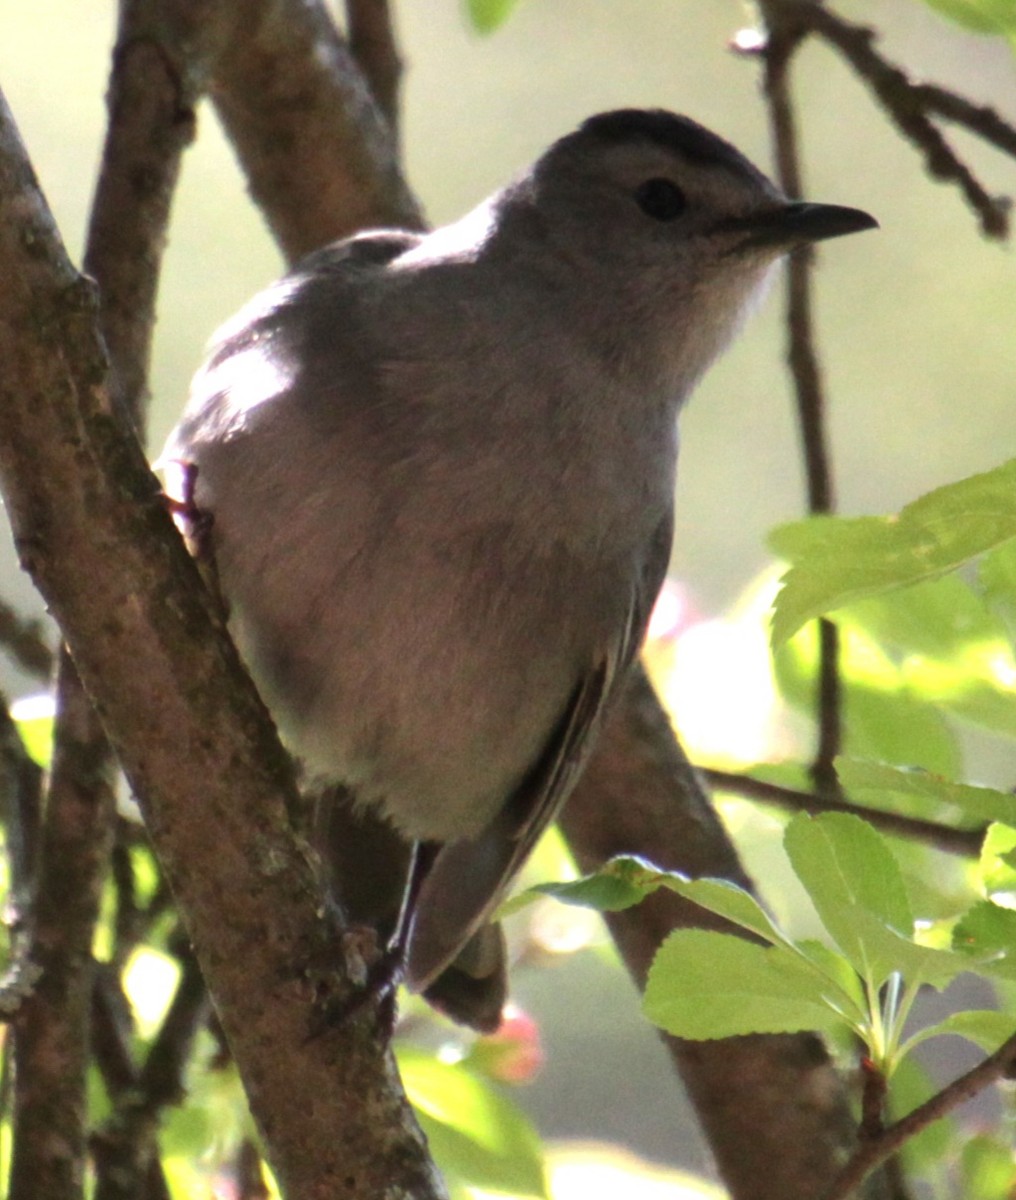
x=24 y=640
x=372 y=41
x=807 y=377
x=966 y=842
x=51 y=1026
x=20 y=811
x=250 y=1180
x=910 y=105
x=876 y=1150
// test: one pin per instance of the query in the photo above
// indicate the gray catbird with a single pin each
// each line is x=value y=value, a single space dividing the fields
x=439 y=471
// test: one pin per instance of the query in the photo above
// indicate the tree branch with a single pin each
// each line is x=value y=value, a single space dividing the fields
x=802 y=357
x=320 y=159
x=189 y=728
x=373 y=45
x=877 y=1149
x=909 y=105
x=966 y=842
x=25 y=642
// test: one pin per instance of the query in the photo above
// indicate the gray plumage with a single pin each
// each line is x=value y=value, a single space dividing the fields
x=441 y=473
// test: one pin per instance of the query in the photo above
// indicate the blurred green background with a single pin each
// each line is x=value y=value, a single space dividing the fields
x=917 y=322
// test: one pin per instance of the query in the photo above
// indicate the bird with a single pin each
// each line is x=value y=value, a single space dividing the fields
x=436 y=472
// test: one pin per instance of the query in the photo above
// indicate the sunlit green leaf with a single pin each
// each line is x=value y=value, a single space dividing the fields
x=884 y=716
x=855 y=883
x=839 y=971
x=34 y=719
x=486 y=15
x=953 y=650
x=997 y=864
x=620 y=883
x=474 y=1131
x=876 y=783
x=835 y=561
x=846 y=865
x=980 y=16
x=730 y=901
x=704 y=984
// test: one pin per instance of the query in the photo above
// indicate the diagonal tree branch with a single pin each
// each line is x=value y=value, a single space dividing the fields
x=318 y=154
x=188 y=726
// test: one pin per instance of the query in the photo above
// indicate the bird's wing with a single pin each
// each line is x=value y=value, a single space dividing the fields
x=469 y=876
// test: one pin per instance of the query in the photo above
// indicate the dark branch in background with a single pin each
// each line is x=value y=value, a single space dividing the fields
x=126 y=1148
x=250 y=1179
x=51 y=1026
x=773 y=1108
x=373 y=45
x=21 y=813
x=966 y=842
x=319 y=157
x=910 y=106
x=877 y=1149
x=783 y=41
x=25 y=642
x=151 y=120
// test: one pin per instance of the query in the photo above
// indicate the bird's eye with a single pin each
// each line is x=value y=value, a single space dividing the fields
x=660 y=199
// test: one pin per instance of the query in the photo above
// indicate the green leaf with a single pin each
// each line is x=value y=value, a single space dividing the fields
x=838 y=971
x=728 y=900
x=34 y=719
x=704 y=984
x=473 y=1130
x=838 y=560
x=857 y=888
x=986 y=1028
x=997 y=580
x=487 y=15
x=987 y=933
x=986 y=1168
x=980 y=16
x=997 y=864
x=846 y=866
x=878 y=784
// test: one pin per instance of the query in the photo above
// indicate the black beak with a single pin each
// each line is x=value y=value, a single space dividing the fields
x=796 y=224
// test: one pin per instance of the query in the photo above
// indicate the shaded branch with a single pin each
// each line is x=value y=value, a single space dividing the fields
x=966 y=842
x=192 y=734
x=24 y=640
x=372 y=42
x=802 y=358
x=909 y=105
x=150 y=122
x=320 y=159
x=51 y=1026
x=877 y=1149
x=21 y=809
x=126 y=1148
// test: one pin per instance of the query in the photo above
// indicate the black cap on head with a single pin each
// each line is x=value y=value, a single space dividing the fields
x=680 y=135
